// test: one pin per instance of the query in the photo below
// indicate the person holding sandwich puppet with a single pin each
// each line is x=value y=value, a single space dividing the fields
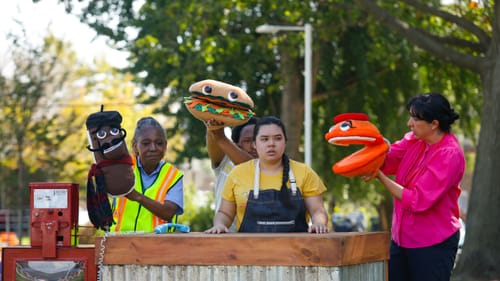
x=219 y=105
x=271 y=193
x=225 y=153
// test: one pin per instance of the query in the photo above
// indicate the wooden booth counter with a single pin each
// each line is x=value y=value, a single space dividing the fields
x=345 y=256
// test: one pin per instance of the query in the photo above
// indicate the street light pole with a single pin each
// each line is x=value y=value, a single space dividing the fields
x=307 y=29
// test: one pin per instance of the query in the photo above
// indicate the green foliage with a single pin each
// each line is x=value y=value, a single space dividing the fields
x=198 y=211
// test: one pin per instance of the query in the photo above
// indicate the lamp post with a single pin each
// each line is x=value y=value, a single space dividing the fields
x=307 y=29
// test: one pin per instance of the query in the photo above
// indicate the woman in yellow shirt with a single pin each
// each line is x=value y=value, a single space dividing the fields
x=272 y=193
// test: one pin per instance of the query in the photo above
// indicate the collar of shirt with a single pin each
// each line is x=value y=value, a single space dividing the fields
x=148 y=179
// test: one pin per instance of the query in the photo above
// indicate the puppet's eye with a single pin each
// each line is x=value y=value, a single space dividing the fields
x=101 y=134
x=232 y=96
x=346 y=125
x=114 y=131
x=207 y=89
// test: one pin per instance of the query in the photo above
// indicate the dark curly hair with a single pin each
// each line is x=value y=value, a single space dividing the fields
x=236 y=131
x=433 y=106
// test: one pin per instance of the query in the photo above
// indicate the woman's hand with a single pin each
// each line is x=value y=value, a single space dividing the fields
x=134 y=196
x=369 y=177
x=366 y=178
x=318 y=228
x=223 y=218
x=213 y=124
x=216 y=229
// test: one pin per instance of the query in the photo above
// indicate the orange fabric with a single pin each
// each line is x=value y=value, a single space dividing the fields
x=356 y=129
x=122 y=202
x=160 y=195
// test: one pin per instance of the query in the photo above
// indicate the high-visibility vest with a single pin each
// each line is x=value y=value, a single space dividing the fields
x=131 y=216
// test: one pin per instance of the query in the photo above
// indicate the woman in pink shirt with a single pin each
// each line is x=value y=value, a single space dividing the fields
x=428 y=164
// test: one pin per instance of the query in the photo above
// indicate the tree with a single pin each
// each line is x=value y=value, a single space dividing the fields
x=25 y=96
x=357 y=67
x=32 y=131
x=472 y=42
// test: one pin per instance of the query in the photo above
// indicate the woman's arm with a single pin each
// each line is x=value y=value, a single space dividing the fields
x=393 y=187
x=319 y=217
x=165 y=210
x=223 y=218
x=219 y=145
x=215 y=153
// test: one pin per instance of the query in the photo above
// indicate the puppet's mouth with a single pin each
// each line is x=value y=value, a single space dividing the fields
x=350 y=139
x=107 y=147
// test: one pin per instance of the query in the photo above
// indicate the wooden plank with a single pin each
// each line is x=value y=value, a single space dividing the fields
x=356 y=251
x=294 y=249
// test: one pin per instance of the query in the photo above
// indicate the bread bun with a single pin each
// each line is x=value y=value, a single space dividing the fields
x=211 y=99
x=226 y=119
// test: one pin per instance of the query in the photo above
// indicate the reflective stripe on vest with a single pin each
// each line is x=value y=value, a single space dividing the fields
x=131 y=216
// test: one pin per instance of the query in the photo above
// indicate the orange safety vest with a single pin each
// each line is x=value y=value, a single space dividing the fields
x=131 y=216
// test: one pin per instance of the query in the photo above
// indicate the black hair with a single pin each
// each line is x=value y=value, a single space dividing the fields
x=236 y=131
x=269 y=120
x=433 y=106
x=272 y=120
x=148 y=122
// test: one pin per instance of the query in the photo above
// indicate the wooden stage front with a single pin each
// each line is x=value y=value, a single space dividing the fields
x=196 y=256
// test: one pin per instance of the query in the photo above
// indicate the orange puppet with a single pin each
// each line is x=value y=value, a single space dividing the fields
x=356 y=129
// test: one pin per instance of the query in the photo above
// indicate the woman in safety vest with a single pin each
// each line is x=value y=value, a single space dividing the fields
x=158 y=195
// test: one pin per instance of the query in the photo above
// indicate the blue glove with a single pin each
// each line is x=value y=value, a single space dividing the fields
x=162 y=228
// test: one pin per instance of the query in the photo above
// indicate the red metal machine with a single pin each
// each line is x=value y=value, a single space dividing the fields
x=54 y=215
x=54 y=227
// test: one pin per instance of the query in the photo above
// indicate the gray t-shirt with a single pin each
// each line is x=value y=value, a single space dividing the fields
x=221 y=172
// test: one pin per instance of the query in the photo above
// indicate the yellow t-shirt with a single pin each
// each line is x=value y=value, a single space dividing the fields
x=239 y=183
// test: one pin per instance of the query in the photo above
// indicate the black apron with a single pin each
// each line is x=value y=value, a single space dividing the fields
x=266 y=213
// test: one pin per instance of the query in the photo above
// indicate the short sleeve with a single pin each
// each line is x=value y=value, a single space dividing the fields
x=313 y=185
x=176 y=194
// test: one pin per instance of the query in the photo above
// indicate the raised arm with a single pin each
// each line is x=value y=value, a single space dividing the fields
x=218 y=145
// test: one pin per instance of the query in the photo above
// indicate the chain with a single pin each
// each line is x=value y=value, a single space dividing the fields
x=100 y=260
x=101 y=256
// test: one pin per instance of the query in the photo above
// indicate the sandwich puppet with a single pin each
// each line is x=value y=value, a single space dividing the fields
x=112 y=172
x=356 y=129
x=211 y=99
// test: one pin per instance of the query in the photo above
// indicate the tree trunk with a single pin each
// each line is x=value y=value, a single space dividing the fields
x=480 y=259
x=292 y=104
x=384 y=210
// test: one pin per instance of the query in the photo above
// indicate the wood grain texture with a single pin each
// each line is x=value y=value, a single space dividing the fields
x=296 y=249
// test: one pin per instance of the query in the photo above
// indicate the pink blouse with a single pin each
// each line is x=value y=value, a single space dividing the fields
x=427 y=213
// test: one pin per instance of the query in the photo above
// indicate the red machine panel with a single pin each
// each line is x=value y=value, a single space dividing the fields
x=54 y=215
